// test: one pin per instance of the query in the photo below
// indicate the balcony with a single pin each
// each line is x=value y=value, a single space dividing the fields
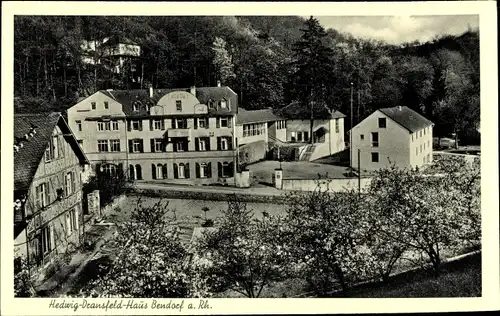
x=179 y=132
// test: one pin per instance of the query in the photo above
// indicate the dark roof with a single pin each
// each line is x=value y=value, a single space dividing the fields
x=27 y=159
x=296 y=110
x=256 y=116
x=204 y=94
x=406 y=117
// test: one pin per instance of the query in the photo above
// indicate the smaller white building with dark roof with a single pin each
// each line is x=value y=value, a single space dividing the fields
x=397 y=135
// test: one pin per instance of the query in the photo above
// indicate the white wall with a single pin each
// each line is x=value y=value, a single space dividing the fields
x=421 y=147
x=394 y=143
x=331 y=185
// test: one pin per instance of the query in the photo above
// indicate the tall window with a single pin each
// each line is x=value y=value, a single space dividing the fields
x=102 y=145
x=106 y=105
x=157 y=145
x=382 y=122
x=178 y=105
x=181 y=171
x=42 y=197
x=138 y=172
x=71 y=221
x=337 y=125
x=52 y=150
x=159 y=171
x=93 y=105
x=224 y=143
x=299 y=136
x=203 y=122
x=223 y=104
x=131 y=170
x=203 y=170
x=115 y=125
x=179 y=123
x=306 y=136
x=136 y=125
x=69 y=183
x=224 y=122
x=79 y=125
x=375 y=139
x=45 y=240
x=136 y=146
x=159 y=124
x=110 y=169
x=225 y=169
x=202 y=144
x=114 y=145
x=374 y=157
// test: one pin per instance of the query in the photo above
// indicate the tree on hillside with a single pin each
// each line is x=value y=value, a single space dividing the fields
x=417 y=76
x=311 y=77
x=222 y=60
x=243 y=254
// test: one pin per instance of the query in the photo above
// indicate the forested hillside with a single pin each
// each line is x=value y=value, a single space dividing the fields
x=262 y=58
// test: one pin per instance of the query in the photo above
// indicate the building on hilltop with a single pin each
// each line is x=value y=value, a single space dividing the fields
x=396 y=135
x=49 y=169
x=173 y=135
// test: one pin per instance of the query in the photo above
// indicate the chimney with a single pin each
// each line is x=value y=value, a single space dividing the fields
x=151 y=91
x=218 y=83
x=399 y=107
x=193 y=90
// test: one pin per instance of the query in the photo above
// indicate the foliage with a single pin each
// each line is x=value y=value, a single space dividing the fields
x=328 y=236
x=22 y=281
x=110 y=185
x=243 y=254
x=222 y=60
x=151 y=261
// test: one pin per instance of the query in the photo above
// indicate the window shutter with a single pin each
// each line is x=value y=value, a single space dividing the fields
x=217 y=122
x=218 y=143
x=230 y=143
x=140 y=125
x=197 y=170
x=186 y=171
x=164 y=171
x=153 y=170
x=207 y=143
x=141 y=146
x=130 y=146
x=138 y=171
x=219 y=169
x=150 y=124
x=77 y=219
x=162 y=124
x=176 y=171
x=120 y=169
x=129 y=125
x=197 y=144
x=195 y=120
x=48 y=192
x=173 y=123
x=152 y=141
x=209 y=167
x=229 y=121
x=231 y=168
x=131 y=172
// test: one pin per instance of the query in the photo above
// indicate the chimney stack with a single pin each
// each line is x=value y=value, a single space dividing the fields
x=218 y=83
x=399 y=107
x=193 y=90
x=151 y=91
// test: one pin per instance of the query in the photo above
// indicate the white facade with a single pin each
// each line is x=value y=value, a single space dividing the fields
x=379 y=147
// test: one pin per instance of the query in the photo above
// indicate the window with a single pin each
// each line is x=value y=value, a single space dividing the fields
x=71 y=221
x=202 y=144
x=131 y=170
x=306 y=136
x=211 y=104
x=181 y=171
x=109 y=169
x=179 y=123
x=203 y=170
x=203 y=122
x=136 y=125
x=114 y=145
x=103 y=126
x=159 y=125
x=224 y=143
x=178 y=105
x=362 y=137
x=375 y=139
x=159 y=171
x=292 y=136
x=157 y=145
x=382 y=122
x=420 y=148
x=299 y=136
x=79 y=125
x=100 y=126
x=42 y=196
x=52 y=150
x=138 y=172
x=420 y=133
x=135 y=106
x=225 y=169
x=45 y=240
x=223 y=104
x=93 y=105
x=69 y=183
x=102 y=145
x=106 y=105
x=374 y=157
x=337 y=125
x=115 y=125
x=224 y=122
x=137 y=146
x=425 y=130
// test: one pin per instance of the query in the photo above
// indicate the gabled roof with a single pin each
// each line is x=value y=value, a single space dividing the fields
x=256 y=116
x=27 y=159
x=296 y=110
x=203 y=94
x=406 y=117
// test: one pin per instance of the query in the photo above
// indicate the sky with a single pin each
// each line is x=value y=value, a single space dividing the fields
x=401 y=29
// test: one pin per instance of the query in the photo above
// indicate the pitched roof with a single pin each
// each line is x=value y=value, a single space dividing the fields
x=256 y=116
x=27 y=159
x=296 y=110
x=203 y=94
x=406 y=117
